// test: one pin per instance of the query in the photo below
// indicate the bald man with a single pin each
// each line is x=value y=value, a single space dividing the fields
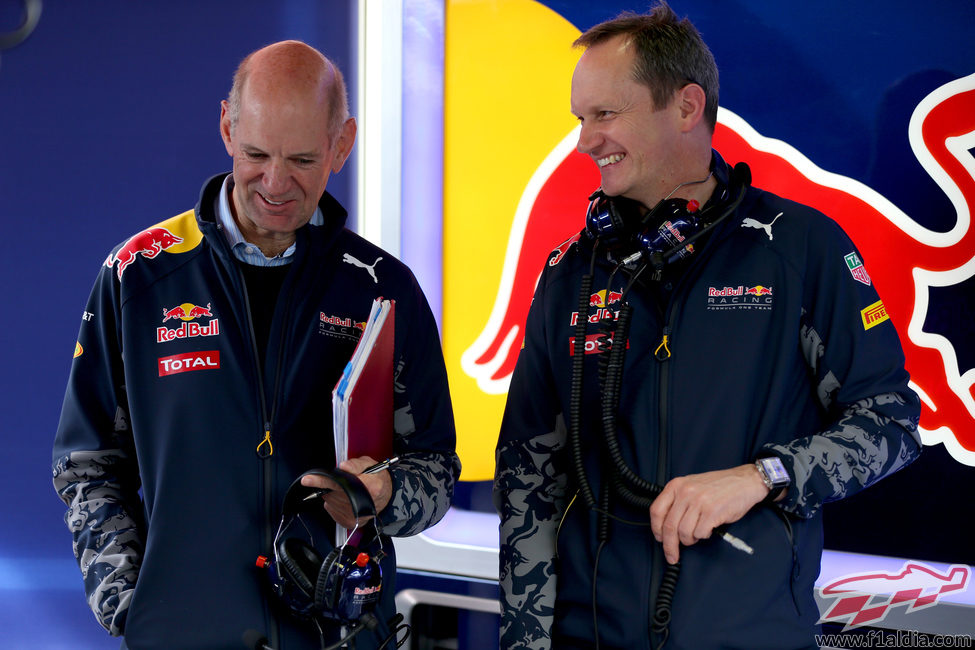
x=200 y=386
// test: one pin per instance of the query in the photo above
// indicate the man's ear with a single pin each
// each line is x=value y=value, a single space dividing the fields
x=343 y=144
x=225 y=127
x=691 y=101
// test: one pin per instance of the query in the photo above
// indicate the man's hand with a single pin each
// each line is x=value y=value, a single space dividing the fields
x=691 y=507
x=380 y=486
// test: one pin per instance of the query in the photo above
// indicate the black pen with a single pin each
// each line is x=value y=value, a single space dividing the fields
x=372 y=469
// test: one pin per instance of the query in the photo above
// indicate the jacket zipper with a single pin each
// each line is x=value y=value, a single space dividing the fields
x=662 y=354
x=265 y=449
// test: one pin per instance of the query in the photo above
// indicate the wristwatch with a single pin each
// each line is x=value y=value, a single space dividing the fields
x=773 y=474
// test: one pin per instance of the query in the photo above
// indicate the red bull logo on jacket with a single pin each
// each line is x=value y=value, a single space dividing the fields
x=867 y=598
x=187 y=312
x=176 y=235
x=148 y=243
x=741 y=297
x=344 y=327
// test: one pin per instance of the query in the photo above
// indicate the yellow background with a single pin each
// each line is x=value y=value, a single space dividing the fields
x=508 y=69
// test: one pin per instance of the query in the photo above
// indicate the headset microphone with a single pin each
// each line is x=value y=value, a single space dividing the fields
x=679 y=233
x=616 y=222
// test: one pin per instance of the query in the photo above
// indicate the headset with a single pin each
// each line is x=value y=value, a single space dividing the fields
x=346 y=584
x=667 y=232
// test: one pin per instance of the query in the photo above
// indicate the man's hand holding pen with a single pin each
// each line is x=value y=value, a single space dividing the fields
x=374 y=476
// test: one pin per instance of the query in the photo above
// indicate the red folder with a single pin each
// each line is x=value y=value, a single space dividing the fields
x=362 y=401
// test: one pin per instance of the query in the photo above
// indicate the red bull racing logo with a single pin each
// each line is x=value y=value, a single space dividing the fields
x=741 y=297
x=187 y=312
x=343 y=327
x=867 y=598
x=147 y=243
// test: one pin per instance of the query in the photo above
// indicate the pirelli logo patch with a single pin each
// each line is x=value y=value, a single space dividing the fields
x=874 y=315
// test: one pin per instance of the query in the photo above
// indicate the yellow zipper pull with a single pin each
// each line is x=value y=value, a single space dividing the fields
x=270 y=447
x=662 y=356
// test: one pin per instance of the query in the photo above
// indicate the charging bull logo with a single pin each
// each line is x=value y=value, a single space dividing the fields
x=905 y=258
x=148 y=243
x=187 y=312
x=867 y=598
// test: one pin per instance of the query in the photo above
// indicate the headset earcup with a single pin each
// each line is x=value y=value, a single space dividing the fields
x=612 y=219
x=329 y=580
x=301 y=562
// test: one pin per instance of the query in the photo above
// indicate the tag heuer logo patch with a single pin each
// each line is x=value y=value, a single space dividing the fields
x=857 y=269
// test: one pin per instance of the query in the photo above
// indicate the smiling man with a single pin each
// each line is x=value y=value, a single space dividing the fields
x=697 y=378
x=183 y=426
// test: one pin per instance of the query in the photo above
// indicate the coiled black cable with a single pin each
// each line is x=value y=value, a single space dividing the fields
x=575 y=386
x=630 y=486
x=627 y=484
x=665 y=599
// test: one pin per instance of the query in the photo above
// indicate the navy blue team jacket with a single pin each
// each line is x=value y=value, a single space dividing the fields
x=176 y=446
x=772 y=340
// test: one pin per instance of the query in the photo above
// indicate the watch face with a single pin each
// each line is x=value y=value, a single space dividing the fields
x=775 y=470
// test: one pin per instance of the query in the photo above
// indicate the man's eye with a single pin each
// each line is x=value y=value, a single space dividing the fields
x=304 y=161
x=255 y=155
x=603 y=115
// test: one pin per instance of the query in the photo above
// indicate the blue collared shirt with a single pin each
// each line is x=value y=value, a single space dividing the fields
x=245 y=251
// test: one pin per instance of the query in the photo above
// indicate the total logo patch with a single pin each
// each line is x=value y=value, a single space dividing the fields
x=187 y=329
x=874 y=315
x=595 y=344
x=189 y=362
x=741 y=297
x=340 y=327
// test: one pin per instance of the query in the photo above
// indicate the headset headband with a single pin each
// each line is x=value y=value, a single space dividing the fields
x=359 y=497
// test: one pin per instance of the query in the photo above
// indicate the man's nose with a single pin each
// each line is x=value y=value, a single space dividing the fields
x=589 y=139
x=276 y=176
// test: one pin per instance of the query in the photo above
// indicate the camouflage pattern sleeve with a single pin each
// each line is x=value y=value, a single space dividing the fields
x=872 y=438
x=108 y=542
x=95 y=471
x=530 y=497
x=423 y=483
x=530 y=490
x=858 y=374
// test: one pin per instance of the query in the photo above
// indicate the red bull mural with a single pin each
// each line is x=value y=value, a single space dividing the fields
x=831 y=112
x=904 y=258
